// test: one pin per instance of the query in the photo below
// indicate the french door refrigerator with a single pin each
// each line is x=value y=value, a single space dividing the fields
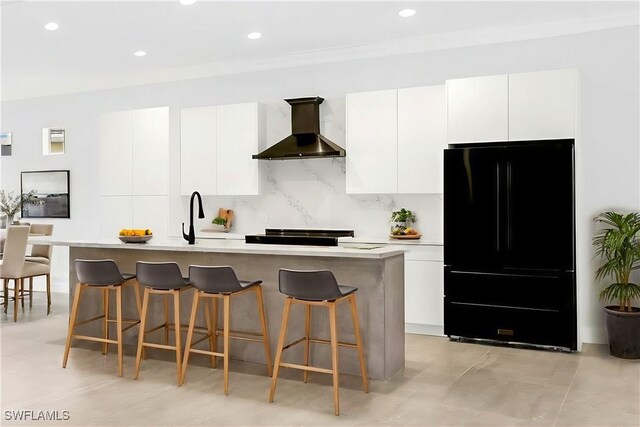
x=509 y=242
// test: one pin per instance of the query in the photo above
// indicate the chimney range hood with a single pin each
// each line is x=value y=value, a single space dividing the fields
x=305 y=141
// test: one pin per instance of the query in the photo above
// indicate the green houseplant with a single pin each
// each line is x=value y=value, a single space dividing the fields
x=11 y=203
x=617 y=243
x=401 y=221
x=220 y=223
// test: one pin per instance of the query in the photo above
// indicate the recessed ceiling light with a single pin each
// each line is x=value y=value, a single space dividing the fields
x=254 y=36
x=51 y=26
x=187 y=2
x=407 y=13
x=140 y=53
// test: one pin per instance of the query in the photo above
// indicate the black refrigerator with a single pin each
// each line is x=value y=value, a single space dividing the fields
x=509 y=242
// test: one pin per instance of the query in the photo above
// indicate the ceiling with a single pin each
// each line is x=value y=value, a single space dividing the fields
x=94 y=46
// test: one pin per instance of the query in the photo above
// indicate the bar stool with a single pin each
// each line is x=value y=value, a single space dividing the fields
x=105 y=276
x=320 y=289
x=222 y=283
x=161 y=278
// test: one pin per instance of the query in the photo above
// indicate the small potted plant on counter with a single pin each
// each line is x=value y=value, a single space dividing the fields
x=219 y=224
x=617 y=243
x=401 y=222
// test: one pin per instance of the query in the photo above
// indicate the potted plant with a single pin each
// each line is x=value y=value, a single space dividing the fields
x=220 y=223
x=11 y=204
x=401 y=220
x=617 y=243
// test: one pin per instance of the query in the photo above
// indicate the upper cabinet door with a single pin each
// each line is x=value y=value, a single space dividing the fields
x=115 y=153
x=372 y=151
x=151 y=151
x=422 y=121
x=198 y=150
x=237 y=140
x=478 y=109
x=542 y=105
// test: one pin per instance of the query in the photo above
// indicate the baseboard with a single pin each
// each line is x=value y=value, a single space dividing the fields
x=420 y=329
x=594 y=335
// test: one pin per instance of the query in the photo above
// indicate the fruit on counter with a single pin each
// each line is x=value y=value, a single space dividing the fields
x=135 y=232
x=410 y=231
x=400 y=231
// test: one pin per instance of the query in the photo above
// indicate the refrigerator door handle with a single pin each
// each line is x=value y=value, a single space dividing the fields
x=509 y=190
x=497 y=207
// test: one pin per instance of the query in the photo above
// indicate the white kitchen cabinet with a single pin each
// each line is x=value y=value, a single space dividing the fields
x=542 y=105
x=198 y=150
x=116 y=213
x=115 y=153
x=150 y=134
x=478 y=109
x=424 y=289
x=422 y=125
x=237 y=140
x=371 y=144
x=216 y=145
x=151 y=212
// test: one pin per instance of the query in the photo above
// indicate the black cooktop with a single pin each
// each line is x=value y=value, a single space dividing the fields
x=288 y=236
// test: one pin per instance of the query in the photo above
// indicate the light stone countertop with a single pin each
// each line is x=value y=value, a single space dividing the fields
x=346 y=250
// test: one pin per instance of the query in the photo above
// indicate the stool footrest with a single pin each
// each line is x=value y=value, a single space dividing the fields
x=163 y=346
x=306 y=368
x=242 y=335
x=340 y=343
x=96 y=339
x=89 y=320
x=183 y=328
x=207 y=352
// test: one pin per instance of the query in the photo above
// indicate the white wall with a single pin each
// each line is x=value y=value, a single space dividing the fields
x=311 y=192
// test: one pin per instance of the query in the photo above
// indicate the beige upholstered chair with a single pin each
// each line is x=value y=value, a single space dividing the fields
x=14 y=267
x=41 y=254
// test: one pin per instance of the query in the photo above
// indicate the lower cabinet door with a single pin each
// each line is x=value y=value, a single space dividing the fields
x=509 y=324
x=423 y=292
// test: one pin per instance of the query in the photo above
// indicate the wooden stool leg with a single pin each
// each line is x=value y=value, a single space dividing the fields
x=143 y=321
x=176 y=321
x=281 y=338
x=208 y=320
x=214 y=326
x=136 y=294
x=105 y=325
x=187 y=346
x=227 y=320
x=334 y=356
x=166 y=319
x=307 y=332
x=72 y=323
x=265 y=333
x=48 y=278
x=356 y=328
x=119 y=327
x=30 y=292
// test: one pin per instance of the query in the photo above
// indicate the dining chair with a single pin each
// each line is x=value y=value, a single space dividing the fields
x=41 y=254
x=14 y=267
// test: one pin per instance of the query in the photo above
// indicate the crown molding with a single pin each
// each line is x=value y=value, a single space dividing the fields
x=400 y=46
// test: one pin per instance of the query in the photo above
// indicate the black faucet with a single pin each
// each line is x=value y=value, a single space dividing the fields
x=191 y=238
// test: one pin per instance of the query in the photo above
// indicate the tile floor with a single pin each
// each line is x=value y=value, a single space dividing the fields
x=444 y=384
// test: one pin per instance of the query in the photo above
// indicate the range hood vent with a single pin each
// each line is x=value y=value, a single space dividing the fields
x=305 y=141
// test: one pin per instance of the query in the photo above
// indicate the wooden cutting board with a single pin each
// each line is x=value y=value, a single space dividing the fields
x=227 y=214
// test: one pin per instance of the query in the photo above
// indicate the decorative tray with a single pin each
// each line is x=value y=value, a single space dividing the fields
x=136 y=239
x=405 y=236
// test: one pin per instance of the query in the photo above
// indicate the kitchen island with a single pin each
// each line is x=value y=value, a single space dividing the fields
x=378 y=272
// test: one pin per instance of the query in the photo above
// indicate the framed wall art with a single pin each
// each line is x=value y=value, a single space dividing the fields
x=51 y=191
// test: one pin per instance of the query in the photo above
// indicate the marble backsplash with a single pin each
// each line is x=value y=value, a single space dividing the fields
x=311 y=193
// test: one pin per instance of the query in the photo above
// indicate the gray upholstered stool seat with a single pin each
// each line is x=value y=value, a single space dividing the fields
x=103 y=276
x=164 y=279
x=214 y=283
x=317 y=288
